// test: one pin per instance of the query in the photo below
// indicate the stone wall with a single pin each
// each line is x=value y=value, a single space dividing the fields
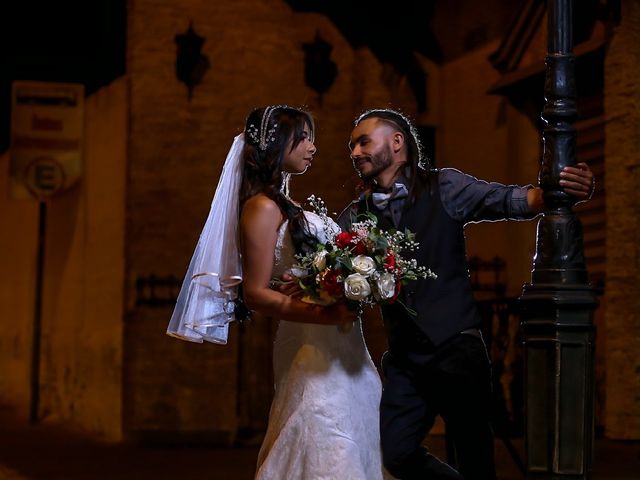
x=82 y=302
x=622 y=161
x=18 y=250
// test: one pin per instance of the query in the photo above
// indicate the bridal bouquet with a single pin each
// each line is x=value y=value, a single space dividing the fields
x=364 y=265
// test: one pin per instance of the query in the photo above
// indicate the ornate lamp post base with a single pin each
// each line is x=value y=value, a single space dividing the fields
x=559 y=381
x=557 y=320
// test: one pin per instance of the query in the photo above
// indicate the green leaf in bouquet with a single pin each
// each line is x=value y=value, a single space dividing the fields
x=409 y=276
x=380 y=243
x=345 y=261
x=370 y=216
x=304 y=263
x=409 y=235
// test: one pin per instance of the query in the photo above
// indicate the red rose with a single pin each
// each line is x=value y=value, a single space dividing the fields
x=330 y=282
x=360 y=248
x=343 y=239
x=390 y=262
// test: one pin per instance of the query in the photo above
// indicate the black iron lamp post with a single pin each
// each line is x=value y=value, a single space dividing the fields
x=557 y=306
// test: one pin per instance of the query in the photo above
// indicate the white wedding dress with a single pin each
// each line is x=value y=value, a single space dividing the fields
x=324 y=421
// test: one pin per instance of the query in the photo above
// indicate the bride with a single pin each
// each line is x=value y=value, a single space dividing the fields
x=323 y=422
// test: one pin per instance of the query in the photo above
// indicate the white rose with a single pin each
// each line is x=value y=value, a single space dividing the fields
x=320 y=260
x=356 y=287
x=385 y=286
x=298 y=272
x=364 y=265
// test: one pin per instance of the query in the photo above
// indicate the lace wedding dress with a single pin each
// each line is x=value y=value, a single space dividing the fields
x=324 y=421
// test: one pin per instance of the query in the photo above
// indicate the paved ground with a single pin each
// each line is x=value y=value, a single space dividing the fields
x=43 y=452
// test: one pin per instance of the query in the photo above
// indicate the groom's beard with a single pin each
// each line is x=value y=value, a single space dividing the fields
x=379 y=161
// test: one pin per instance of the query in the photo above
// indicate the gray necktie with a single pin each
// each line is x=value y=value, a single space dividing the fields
x=381 y=200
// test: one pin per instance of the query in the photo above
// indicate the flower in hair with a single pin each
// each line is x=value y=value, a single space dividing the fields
x=265 y=135
x=252 y=133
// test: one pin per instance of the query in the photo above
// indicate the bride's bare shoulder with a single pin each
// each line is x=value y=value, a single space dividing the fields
x=261 y=207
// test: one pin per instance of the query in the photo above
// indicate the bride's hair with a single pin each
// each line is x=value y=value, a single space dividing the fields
x=268 y=131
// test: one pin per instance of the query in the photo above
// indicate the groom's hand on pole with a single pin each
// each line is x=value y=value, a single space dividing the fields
x=578 y=181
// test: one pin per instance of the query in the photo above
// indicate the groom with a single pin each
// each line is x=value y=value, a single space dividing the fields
x=437 y=363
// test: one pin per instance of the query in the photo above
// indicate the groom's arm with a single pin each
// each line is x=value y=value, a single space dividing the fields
x=468 y=199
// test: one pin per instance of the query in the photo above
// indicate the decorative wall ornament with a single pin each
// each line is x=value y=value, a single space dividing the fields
x=319 y=70
x=191 y=64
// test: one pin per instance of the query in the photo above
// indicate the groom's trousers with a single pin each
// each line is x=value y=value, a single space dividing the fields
x=453 y=381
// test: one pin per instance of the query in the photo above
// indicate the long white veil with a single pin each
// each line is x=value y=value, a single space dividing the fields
x=205 y=305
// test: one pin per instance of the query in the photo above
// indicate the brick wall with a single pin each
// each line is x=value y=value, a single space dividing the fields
x=622 y=161
x=80 y=382
x=18 y=247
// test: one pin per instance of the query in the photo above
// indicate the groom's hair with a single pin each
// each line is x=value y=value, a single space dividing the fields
x=417 y=162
